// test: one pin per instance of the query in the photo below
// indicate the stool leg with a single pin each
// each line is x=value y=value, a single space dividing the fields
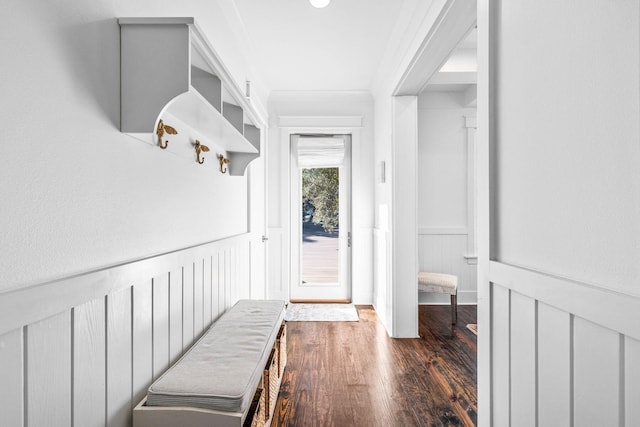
x=454 y=309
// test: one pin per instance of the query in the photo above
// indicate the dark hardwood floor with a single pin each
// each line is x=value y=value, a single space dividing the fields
x=353 y=374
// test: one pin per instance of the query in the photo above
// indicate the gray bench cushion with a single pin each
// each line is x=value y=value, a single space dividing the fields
x=222 y=370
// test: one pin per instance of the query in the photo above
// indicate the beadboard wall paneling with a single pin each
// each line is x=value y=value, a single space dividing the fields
x=175 y=315
x=48 y=374
x=11 y=370
x=119 y=363
x=187 y=306
x=523 y=361
x=142 y=330
x=554 y=366
x=382 y=278
x=443 y=251
x=500 y=347
x=277 y=264
x=198 y=297
x=160 y=316
x=91 y=362
x=557 y=360
x=632 y=379
x=207 y=290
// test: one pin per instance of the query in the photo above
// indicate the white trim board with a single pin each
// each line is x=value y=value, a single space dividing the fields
x=433 y=298
x=28 y=305
x=442 y=231
x=608 y=308
x=320 y=121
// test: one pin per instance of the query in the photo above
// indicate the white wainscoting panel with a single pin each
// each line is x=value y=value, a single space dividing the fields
x=523 y=361
x=554 y=366
x=218 y=275
x=382 y=292
x=198 y=297
x=443 y=251
x=11 y=370
x=119 y=363
x=564 y=353
x=596 y=374
x=91 y=362
x=160 y=324
x=501 y=361
x=48 y=372
x=187 y=306
x=175 y=315
x=277 y=265
x=207 y=291
x=632 y=380
x=142 y=338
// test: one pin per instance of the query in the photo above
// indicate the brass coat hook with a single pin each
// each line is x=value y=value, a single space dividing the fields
x=200 y=148
x=160 y=131
x=223 y=161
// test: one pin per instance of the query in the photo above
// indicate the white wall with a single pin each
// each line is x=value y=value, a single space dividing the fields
x=78 y=196
x=76 y=193
x=331 y=112
x=408 y=43
x=561 y=127
x=444 y=226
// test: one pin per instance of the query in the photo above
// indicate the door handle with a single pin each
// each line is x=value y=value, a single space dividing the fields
x=349 y=239
x=264 y=239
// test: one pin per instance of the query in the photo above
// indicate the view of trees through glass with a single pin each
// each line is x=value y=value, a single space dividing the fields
x=320 y=225
x=320 y=197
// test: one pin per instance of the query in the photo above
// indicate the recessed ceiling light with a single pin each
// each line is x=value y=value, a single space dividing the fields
x=319 y=3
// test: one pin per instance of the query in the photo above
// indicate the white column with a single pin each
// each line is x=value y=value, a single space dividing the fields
x=405 y=217
x=472 y=191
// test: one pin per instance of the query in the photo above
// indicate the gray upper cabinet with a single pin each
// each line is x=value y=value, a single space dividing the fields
x=170 y=72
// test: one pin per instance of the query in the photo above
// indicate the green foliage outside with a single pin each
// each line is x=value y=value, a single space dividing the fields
x=320 y=187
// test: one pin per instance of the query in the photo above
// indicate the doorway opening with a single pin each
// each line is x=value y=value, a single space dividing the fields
x=320 y=205
x=321 y=218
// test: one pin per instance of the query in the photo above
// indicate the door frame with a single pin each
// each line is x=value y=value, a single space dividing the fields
x=290 y=125
x=456 y=18
x=295 y=222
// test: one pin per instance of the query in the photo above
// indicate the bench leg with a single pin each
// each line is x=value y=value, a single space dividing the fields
x=454 y=309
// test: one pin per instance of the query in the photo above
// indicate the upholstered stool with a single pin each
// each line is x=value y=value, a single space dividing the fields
x=442 y=284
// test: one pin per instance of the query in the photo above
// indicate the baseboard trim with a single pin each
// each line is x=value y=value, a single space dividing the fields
x=320 y=301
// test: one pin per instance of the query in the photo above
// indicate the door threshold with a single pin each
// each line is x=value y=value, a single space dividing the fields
x=320 y=301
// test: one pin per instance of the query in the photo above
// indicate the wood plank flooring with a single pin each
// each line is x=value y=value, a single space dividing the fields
x=353 y=374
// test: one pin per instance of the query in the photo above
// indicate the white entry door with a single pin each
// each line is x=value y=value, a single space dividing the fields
x=320 y=218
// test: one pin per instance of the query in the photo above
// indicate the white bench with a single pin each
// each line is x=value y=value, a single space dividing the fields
x=229 y=377
x=443 y=284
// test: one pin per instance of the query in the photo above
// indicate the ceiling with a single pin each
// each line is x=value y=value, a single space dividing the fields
x=298 y=47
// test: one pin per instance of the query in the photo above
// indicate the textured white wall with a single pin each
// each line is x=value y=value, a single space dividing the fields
x=561 y=127
x=77 y=194
x=568 y=159
x=442 y=153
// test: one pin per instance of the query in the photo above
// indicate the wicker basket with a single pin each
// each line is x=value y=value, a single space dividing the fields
x=281 y=344
x=270 y=380
x=255 y=417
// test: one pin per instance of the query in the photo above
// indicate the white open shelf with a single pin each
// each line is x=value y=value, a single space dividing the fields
x=170 y=72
